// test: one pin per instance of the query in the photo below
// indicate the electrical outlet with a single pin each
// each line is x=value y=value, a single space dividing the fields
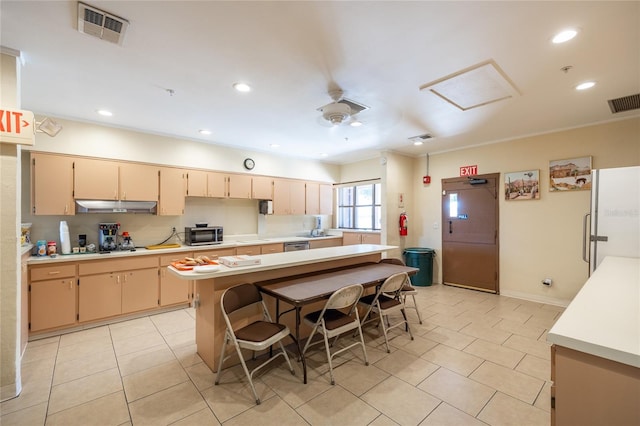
x=547 y=281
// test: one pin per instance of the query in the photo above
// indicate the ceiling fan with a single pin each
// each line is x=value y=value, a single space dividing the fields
x=341 y=111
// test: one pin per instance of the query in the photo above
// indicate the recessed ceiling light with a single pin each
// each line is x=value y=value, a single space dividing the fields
x=323 y=154
x=586 y=85
x=104 y=112
x=274 y=145
x=242 y=87
x=204 y=132
x=355 y=123
x=418 y=143
x=564 y=36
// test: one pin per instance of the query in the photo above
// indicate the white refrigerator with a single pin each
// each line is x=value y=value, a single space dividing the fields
x=612 y=228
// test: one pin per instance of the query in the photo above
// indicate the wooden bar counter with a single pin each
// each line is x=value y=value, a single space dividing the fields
x=210 y=285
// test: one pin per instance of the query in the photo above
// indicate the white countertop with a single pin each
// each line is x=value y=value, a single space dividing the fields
x=604 y=317
x=37 y=260
x=288 y=259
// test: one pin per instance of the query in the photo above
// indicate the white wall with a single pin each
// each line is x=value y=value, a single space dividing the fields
x=538 y=238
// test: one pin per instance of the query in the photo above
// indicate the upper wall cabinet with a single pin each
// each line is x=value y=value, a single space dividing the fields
x=262 y=188
x=111 y=180
x=288 y=197
x=239 y=186
x=326 y=199
x=51 y=184
x=312 y=199
x=173 y=188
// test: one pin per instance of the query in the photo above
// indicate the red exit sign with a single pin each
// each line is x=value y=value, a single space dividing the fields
x=16 y=127
x=468 y=170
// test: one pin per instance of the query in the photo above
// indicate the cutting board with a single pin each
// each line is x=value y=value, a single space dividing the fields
x=162 y=246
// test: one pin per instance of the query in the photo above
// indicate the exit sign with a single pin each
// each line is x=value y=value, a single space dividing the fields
x=16 y=127
x=468 y=170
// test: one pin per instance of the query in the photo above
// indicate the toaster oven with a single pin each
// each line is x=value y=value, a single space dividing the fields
x=200 y=236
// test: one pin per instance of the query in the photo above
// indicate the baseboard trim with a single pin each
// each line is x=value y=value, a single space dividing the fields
x=535 y=298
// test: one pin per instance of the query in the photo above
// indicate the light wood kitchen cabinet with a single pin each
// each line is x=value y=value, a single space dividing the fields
x=271 y=248
x=351 y=238
x=239 y=186
x=52 y=301
x=138 y=182
x=312 y=198
x=213 y=254
x=112 y=287
x=262 y=188
x=96 y=179
x=173 y=289
x=288 y=197
x=325 y=242
x=172 y=191
x=326 y=199
x=248 y=250
x=218 y=185
x=51 y=184
x=197 y=183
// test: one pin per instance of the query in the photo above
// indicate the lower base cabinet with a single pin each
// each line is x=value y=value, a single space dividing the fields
x=53 y=303
x=173 y=289
x=100 y=296
x=140 y=290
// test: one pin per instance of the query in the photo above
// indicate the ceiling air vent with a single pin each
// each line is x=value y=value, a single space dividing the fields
x=101 y=24
x=421 y=138
x=626 y=103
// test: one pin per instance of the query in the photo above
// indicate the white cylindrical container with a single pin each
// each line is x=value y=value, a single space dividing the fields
x=65 y=243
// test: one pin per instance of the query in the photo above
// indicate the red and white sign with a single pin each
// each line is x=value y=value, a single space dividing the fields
x=469 y=170
x=17 y=127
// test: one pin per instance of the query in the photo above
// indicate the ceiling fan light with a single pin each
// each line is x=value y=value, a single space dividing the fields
x=586 y=85
x=336 y=113
x=356 y=123
x=242 y=87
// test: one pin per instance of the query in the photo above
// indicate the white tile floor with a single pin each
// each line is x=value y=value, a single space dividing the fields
x=477 y=359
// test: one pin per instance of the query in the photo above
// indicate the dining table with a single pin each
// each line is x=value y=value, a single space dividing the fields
x=300 y=291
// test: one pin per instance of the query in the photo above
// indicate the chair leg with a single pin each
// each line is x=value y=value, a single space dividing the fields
x=221 y=361
x=404 y=314
x=364 y=350
x=284 y=352
x=417 y=310
x=246 y=371
x=384 y=331
x=326 y=347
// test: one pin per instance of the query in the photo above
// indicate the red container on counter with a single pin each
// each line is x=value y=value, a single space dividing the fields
x=51 y=248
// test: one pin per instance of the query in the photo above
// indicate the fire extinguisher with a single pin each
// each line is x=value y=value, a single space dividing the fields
x=403 y=223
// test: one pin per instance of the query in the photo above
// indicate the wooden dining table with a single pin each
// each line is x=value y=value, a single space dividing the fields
x=299 y=291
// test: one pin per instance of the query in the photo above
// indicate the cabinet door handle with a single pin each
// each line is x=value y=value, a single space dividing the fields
x=70 y=284
x=54 y=272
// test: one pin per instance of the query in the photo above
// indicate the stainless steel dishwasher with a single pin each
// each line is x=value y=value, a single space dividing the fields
x=297 y=245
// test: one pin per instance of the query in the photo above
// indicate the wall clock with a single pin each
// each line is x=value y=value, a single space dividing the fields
x=249 y=164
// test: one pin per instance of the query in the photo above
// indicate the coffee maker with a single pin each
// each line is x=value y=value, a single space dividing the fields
x=107 y=236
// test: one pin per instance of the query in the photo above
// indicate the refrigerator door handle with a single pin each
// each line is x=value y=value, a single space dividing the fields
x=586 y=238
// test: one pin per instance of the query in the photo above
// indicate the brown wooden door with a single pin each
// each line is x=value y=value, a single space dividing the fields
x=470 y=232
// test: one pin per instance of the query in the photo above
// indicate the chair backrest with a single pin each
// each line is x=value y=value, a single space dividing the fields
x=238 y=297
x=393 y=284
x=346 y=297
x=392 y=261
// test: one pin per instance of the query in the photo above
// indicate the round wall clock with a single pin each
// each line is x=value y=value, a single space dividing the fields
x=249 y=164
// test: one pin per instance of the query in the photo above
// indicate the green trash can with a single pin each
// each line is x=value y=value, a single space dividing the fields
x=421 y=258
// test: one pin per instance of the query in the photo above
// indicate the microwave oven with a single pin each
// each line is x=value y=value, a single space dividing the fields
x=200 y=236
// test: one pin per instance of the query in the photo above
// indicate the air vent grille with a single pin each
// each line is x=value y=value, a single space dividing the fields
x=626 y=103
x=101 y=24
x=421 y=138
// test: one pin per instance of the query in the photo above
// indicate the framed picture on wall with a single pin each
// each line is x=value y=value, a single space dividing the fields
x=573 y=174
x=523 y=185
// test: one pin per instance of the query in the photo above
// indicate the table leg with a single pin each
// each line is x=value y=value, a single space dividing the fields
x=304 y=362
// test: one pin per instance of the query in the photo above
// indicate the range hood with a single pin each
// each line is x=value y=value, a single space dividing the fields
x=112 y=206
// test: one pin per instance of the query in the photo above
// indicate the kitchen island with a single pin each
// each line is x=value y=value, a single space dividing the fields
x=595 y=361
x=210 y=285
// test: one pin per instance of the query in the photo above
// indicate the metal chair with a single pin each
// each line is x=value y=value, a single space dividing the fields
x=338 y=316
x=407 y=288
x=385 y=301
x=256 y=336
